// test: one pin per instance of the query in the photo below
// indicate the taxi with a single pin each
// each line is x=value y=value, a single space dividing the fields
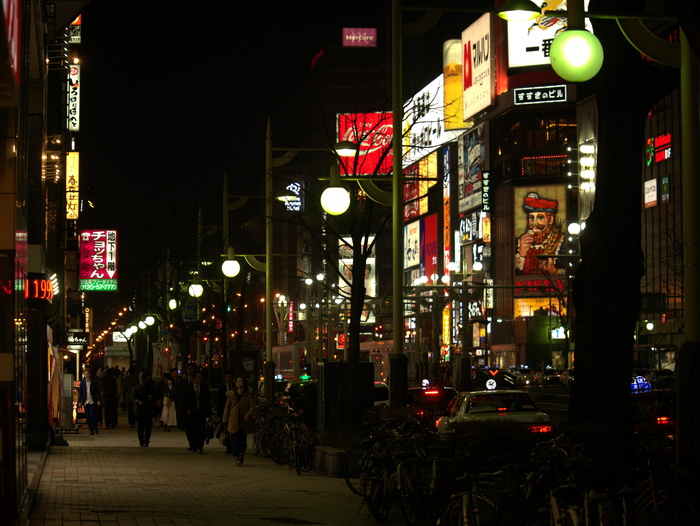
x=495 y=405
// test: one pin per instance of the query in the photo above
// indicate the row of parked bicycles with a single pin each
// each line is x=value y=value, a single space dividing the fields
x=453 y=480
x=282 y=436
x=434 y=481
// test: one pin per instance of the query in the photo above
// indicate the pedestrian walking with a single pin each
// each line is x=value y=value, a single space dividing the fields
x=221 y=399
x=197 y=409
x=90 y=398
x=143 y=398
x=182 y=385
x=110 y=397
x=168 y=414
x=130 y=382
x=239 y=417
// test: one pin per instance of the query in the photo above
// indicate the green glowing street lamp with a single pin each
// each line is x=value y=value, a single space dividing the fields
x=576 y=55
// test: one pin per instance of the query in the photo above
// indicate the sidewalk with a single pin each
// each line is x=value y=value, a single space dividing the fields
x=107 y=479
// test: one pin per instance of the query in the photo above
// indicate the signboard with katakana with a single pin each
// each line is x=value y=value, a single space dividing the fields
x=98 y=260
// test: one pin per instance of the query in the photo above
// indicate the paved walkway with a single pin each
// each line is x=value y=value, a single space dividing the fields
x=107 y=479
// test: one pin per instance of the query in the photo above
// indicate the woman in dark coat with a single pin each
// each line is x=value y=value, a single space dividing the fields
x=239 y=417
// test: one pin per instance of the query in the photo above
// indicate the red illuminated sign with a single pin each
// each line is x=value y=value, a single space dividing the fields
x=658 y=148
x=373 y=132
x=38 y=289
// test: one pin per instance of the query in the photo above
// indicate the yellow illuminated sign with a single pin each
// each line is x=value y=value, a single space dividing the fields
x=72 y=185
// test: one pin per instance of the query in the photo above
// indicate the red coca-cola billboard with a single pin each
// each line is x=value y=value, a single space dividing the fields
x=373 y=132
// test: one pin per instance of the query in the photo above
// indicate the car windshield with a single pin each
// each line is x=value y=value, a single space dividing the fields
x=500 y=402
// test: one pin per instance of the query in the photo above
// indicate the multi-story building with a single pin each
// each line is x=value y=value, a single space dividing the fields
x=34 y=93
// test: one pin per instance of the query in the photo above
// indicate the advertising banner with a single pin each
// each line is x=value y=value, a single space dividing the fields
x=359 y=37
x=97 y=269
x=429 y=246
x=411 y=244
x=74 y=97
x=529 y=42
x=423 y=124
x=540 y=215
x=452 y=82
x=478 y=66
x=373 y=132
x=651 y=194
x=72 y=185
x=472 y=159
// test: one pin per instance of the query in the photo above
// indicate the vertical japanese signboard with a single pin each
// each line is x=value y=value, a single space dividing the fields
x=72 y=185
x=98 y=260
x=74 y=98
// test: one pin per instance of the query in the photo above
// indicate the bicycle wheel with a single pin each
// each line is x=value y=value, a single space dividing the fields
x=487 y=513
x=571 y=518
x=452 y=514
x=670 y=510
x=306 y=458
x=379 y=499
x=264 y=440
x=302 y=459
x=354 y=469
x=281 y=448
x=408 y=494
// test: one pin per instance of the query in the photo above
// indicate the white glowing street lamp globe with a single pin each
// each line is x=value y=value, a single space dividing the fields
x=230 y=268
x=195 y=290
x=335 y=200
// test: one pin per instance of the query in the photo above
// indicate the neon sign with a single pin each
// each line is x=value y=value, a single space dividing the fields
x=658 y=148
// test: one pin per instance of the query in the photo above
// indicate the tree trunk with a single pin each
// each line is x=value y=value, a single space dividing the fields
x=606 y=291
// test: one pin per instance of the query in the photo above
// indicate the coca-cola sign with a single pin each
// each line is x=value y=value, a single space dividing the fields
x=373 y=132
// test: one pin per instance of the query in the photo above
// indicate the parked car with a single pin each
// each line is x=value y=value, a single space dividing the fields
x=567 y=377
x=429 y=403
x=550 y=376
x=381 y=394
x=523 y=375
x=655 y=421
x=495 y=406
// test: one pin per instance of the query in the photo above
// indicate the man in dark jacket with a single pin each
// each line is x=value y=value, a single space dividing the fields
x=90 y=398
x=143 y=397
x=196 y=401
x=110 y=397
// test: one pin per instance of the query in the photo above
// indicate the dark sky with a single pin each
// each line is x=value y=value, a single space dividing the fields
x=172 y=97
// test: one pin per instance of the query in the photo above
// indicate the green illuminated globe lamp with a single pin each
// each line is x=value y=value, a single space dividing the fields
x=576 y=55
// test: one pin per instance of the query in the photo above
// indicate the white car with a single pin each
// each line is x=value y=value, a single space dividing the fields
x=495 y=406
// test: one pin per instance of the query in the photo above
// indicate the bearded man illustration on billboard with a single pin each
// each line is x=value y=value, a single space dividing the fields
x=543 y=236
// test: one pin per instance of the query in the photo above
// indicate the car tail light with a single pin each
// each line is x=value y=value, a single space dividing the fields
x=502 y=409
x=544 y=428
x=663 y=420
x=432 y=392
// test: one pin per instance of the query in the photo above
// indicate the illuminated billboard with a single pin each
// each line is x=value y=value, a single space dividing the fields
x=540 y=216
x=74 y=97
x=478 y=66
x=72 y=185
x=359 y=37
x=419 y=178
x=374 y=133
x=472 y=157
x=429 y=246
x=97 y=269
x=423 y=125
x=529 y=42
x=345 y=256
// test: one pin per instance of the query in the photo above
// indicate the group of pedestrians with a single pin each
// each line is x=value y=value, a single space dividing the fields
x=183 y=402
